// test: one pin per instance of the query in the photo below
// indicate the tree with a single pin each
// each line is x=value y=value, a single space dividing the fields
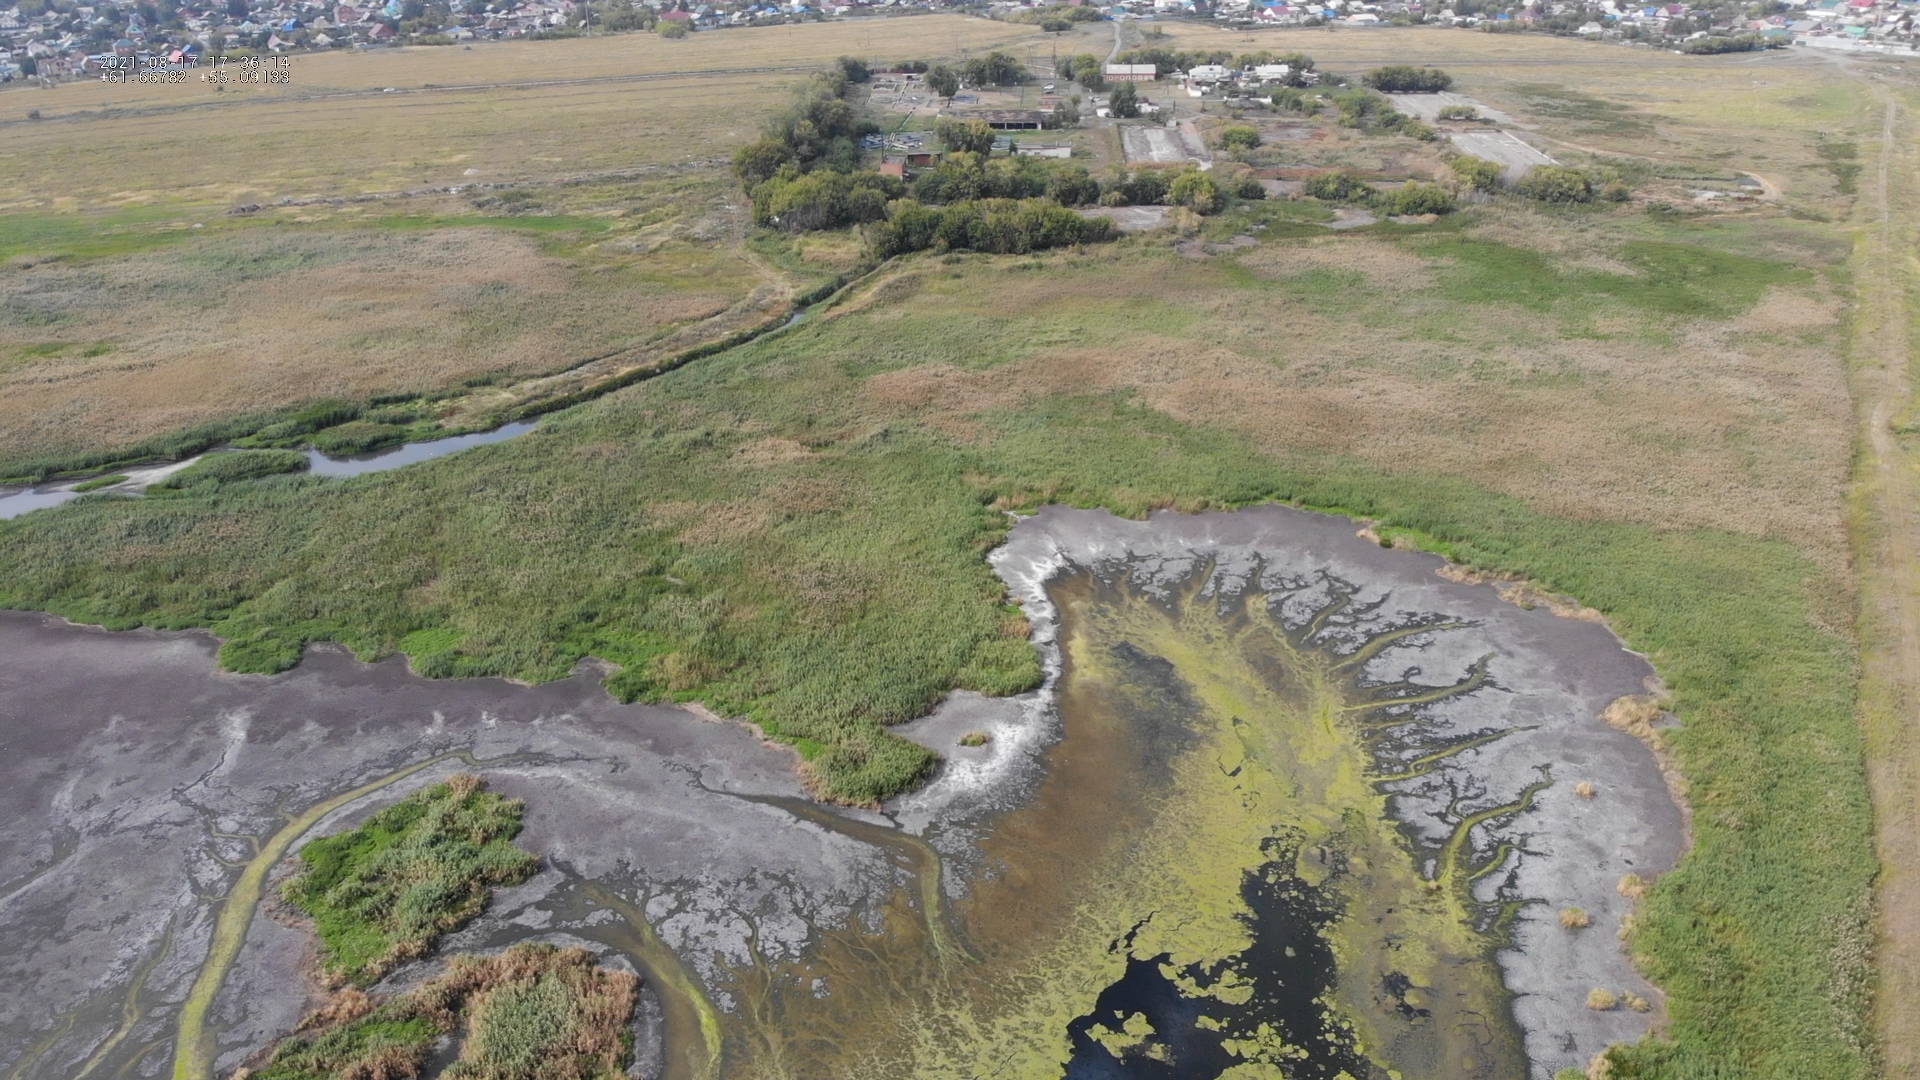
x=1339 y=187
x=29 y=66
x=672 y=28
x=237 y=10
x=759 y=160
x=1556 y=184
x=1125 y=102
x=1415 y=198
x=855 y=69
x=1090 y=71
x=1479 y=173
x=942 y=80
x=973 y=136
x=1197 y=192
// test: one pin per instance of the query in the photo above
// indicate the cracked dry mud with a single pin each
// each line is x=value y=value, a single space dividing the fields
x=1240 y=707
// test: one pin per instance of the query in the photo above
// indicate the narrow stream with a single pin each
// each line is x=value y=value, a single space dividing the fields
x=410 y=453
x=14 y=504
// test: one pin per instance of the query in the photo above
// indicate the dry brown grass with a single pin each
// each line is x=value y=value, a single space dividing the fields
x=499 y=111
x=1585 y=790
x=1731 y=425
x=1574 y=918
x=260 y=318
x=1600 y=999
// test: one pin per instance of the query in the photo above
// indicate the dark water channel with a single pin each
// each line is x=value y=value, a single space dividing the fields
x=1289 y=966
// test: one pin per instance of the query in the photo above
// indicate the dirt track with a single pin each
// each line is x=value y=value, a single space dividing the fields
x=1885 y=527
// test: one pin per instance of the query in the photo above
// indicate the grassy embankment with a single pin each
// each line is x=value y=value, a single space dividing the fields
x=793 y=530
x=384 y=892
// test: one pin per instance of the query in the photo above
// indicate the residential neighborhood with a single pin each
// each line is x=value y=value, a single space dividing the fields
x=60 y=39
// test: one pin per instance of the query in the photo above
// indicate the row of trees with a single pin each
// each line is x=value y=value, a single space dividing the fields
x=804 y=174
x=1412 y=198
x=1545 y=183
x=1407 y=79
x=999 y=226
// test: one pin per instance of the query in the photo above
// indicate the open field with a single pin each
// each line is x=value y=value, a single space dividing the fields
x=597 y=217
x=533 y=110
x=1644 y=407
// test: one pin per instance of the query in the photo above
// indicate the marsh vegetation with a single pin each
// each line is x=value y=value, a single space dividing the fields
x=792 y=531
x=384 y=892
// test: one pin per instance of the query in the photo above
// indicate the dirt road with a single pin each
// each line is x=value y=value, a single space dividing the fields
x=1887 y=546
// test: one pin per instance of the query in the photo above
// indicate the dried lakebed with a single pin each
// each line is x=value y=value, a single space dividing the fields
x=1287 y=796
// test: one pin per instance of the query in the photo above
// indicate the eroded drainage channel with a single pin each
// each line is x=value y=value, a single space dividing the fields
x=14 y=504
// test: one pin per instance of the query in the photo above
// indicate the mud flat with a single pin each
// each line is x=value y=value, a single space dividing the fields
x=1472 y=723
x=1285 y=796
x=139 y=783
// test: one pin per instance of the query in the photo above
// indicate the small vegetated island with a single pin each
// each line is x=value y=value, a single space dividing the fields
x=382 y=894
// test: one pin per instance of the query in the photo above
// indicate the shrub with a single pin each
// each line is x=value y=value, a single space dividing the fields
x=1556 y=184
x=1407 y=79
x=1723 y=44
x=1415 y=129
x=975 y=738
x=1416 y=198
x=1197 y=192
x=1071 y=186
x=1458 y=112
x=673 y=29
x=1143 y=188
x=1240 y=137
x=1340 y=186
x=1478 y=173
x=1249 y=187
x=1287 y=99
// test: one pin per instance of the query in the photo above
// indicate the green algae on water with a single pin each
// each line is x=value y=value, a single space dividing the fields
x=1208 y=749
